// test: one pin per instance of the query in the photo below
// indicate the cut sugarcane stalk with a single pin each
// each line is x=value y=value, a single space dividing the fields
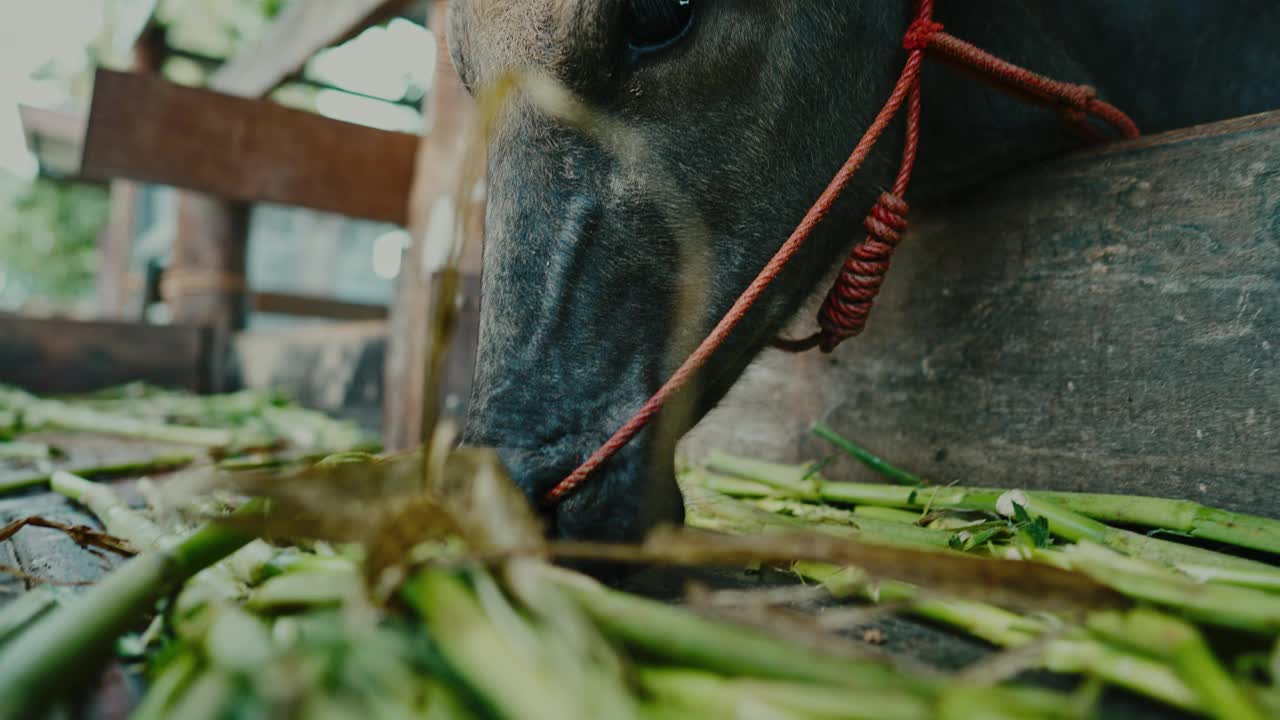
x=1161 y=636
x=514 y=684
x=1007 y=629
x=1184 y=516
x=40 y=660
x=791 y=481
x=709 y=695
x=19 y=613
x=867 y=528
x=680 y=637
x=164 y=463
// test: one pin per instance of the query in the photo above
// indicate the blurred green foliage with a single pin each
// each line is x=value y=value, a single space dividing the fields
x=217 y=28
x=49 y=228
x=48 y=241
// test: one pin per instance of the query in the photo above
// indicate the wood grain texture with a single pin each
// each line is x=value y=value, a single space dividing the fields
x=1106 y=322
x=146 y=129
x=302 y=29
x=308 y=306
x=64 y=356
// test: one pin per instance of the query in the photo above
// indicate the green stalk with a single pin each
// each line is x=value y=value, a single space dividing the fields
x=516 y=685
x=963 y=702
x=24 y=451
x=899 y=475
x=41 y=661
x=1162 y=636
x=166 y=688
x=222 y=580
x=715 y=696
x=1144 y=676
x=1186 y=516
x=864 y=528
x=1007 y=629
x=208 y=696
x=164 y=463
x=894 y=515
x=19 y=613
x=1063 y=521
x=680 y=637
x=1268 y=581
x=305 y=589
x=115 y=515
x=1231 y=606
x=787 y=480
x=1076 y=527
x=986 y=622
x=70 y=417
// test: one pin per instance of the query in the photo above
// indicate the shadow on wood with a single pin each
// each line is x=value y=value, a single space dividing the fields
x=64 y=356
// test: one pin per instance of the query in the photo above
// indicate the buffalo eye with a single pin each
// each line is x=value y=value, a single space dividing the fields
x=653 y=25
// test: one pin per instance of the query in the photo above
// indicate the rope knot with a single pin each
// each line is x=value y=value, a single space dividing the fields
x=848 y=305
x=920 y=34
x=1079 y=98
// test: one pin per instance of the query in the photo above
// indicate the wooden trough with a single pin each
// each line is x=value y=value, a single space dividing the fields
x=1109 y=321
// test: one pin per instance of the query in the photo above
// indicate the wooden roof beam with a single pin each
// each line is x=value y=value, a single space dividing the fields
x=147 y=129
x=304 y=28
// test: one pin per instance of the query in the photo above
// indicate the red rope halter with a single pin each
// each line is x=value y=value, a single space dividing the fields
x=846 y=309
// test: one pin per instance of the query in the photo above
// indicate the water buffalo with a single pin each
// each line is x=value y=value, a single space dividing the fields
x=745 y=109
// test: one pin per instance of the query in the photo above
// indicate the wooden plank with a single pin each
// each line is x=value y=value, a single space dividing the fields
x=1106 y=322
x=336 y=368
x=146 y=129
x=317 y=307
x=304 y=28
x=451 y=112
x=64 y=356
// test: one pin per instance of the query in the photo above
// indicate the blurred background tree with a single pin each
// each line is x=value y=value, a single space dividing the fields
x=49 y=223
x=49 y=226
x=48 y=243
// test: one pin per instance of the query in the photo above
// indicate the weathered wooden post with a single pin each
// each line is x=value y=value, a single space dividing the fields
x=116 y=240
x=434 y=206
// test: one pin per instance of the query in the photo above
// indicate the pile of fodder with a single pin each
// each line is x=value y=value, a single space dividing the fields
x=421 y=585
x=1203 y=630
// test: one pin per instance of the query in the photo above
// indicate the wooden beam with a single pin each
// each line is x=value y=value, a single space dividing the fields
x=65 y=356
x=57 y=125
x=452 y=112
x=1107 y=322
x=318 y=307
x=147 y=129
x=304 y=28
